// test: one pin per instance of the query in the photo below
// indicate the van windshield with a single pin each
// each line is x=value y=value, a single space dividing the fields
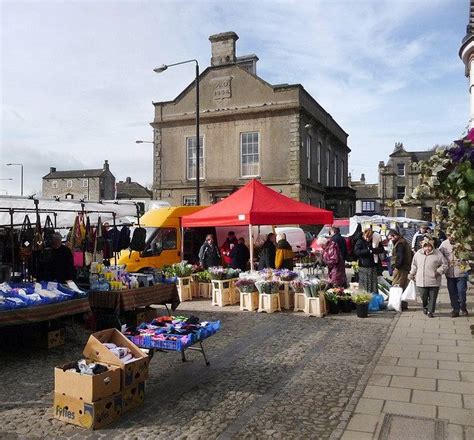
x=325 y=231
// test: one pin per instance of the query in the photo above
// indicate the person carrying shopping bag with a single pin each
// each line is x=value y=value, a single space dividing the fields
x=427 y=267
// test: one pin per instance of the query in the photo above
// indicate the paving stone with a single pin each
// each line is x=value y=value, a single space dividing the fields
x=394 y=370
x=438 y=356
x=356 y=435
x=363 y=422
x=434 y=373
x=424 y=363
x=457 y=415
x=437 y=398
x=468 y=400
x=451 y=386
x=465 y=357
x=466 y=343
x=455 y=432
x=387 y=393
x=467 y=376
x=460 y=366
x=369 y=406
x=416 y=383
x=379 y=379
x=409 y=409
x=438 y=341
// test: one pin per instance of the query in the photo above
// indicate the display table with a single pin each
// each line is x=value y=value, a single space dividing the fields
x=44 y=312
x=125 y=300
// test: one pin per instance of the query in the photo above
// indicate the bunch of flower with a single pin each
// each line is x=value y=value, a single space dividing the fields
x=182 y=269
x=312 y=287
x=266 y=274
x=297 y=285
x=232 y=273
x=267 y=286
x=336 y=294
x=221 y=273
x=204 y=276
x=355 y=266
x=245 y=284
x=361 y=298
x=285 y=274
x=168 y=271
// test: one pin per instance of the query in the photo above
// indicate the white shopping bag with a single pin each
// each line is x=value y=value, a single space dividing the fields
x=395 y=299
x=409 y=294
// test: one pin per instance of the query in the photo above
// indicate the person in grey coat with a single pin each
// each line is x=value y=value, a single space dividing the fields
x=427 y=267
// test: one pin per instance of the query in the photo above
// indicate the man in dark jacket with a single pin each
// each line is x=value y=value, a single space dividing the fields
x=60 y=266
x=209 y=255
x=337 y=238
x=267 y=256
x=240 y=255
x=400 y=261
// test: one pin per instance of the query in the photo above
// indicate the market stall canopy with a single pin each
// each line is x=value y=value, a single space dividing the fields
x=66 y=210
x=257 y=204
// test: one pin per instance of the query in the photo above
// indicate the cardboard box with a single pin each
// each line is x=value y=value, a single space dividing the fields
x=47 y=338
x=91 y=415
x=133 y=396
x=84 y=387
x=133 y=372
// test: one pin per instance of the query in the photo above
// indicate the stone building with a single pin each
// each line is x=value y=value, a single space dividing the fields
x=97 y=184
x=367 y=197
x=249 y=129
x=398 y=178
x=130 y=190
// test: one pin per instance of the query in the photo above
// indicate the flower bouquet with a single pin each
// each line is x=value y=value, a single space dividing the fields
x=204 y=276
x=285 y=275
x=267 y=286
x=297 y=286
x=182 y=270
x=245 y=285
x=218 y=273
x=232 y=273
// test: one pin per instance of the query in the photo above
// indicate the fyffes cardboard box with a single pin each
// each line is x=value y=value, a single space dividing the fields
x=90 y=415
x=133 y=396
x=85 y=387
x=132 y=372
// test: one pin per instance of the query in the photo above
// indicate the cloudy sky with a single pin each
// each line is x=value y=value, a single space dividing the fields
x=77 y=84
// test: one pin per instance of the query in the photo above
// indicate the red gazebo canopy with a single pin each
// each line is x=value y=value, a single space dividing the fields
x=257 y=204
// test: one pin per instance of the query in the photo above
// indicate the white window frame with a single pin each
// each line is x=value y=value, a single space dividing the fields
x=189 y=201
x=242 y=174
x=308 y=156
x=85 y=183
x=202 y=156
x=398 y=171
x=69 y=183
x=368 y=205
x=54 y=184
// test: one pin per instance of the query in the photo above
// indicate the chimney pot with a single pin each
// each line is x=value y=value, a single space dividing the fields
x=128 y=180
x=52 y=169
x=106 y=165
x=362 y=178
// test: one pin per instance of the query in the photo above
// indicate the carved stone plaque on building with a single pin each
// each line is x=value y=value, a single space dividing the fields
x=222 y=88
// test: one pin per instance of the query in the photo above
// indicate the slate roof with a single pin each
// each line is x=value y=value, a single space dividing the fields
x=367 y=191
x=132 y=190
x=71 y=174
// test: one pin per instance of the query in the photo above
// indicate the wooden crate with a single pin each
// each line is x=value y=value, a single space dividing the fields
x=300 y=302
x=234 y=294
x=184 y=289
x=286 y=295
x=249 y=301
x=269 y=302
x=205 y=290
x=315 y=307
x=221 y=292
x=194 y=286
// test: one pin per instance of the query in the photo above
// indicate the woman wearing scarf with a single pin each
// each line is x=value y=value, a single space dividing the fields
x=367 y=250
x=284 y=253
x=426 y=269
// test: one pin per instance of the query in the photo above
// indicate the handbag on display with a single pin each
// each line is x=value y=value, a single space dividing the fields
x=26 y=238
x=48 y=232
x=38 y=240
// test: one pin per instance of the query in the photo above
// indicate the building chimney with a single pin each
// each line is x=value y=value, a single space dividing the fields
x=362 y=179
x=349 y=179
x=128 y=180
x=106 y=165
x=52 y=169
x=223 y=48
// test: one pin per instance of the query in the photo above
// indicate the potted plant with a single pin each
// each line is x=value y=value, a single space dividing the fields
x=267 y=286
x=183 y=269
x=333 y=301
x=297 y=286
x=346 y=300
x=361 y=300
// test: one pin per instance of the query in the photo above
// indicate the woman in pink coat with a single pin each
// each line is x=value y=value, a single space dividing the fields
x=332 y=258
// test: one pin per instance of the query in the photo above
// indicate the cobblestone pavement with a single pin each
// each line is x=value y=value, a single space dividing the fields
x=282 y=375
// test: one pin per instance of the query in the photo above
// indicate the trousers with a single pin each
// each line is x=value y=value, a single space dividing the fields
x=457 y=288
x=428 y=297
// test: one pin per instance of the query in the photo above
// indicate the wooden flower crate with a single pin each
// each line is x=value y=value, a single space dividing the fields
x=205 y=290
x=249 y=301
x=299 y=301
x=184 y=289
x=234 y=294
x=286 y=295
x=315 y=306
x=222 y=292
x=269 y=302
x=194 y=286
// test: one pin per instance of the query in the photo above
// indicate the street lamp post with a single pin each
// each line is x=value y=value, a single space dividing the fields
x=20 y=165
x=162 y=69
